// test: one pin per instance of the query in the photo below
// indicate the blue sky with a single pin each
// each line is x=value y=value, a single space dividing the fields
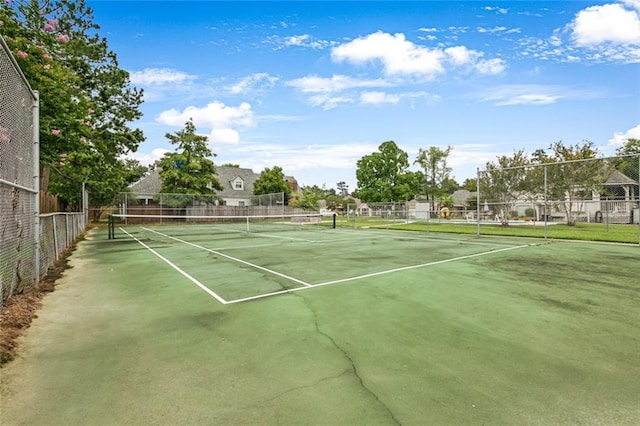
x=314 y=86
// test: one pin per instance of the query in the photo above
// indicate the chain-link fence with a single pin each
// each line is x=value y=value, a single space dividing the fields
x=18 y=179
x=599 y=191
x=29 y=243
x=376 y=214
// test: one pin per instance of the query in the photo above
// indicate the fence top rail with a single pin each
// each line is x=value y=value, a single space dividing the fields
x=61 y=214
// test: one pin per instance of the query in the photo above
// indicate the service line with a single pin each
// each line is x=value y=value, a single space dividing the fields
x=375 y=274
x=174 y=266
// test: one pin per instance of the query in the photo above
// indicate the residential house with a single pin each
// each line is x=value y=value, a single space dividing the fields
x=237 y=184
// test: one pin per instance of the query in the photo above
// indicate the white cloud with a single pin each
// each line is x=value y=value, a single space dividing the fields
x=336 y=83
x=608 y=33
x=297 y=40
x=328 y=102
x=302 y=40
x=620 y=138
x=606 y=23
x=378 y=98
x=490 y=66
x=400 y=57
x=222 y=120
x=395 y=52
x=460 y=55
x=224 y=136
x=147 y=158
x=500 y=10
x=160 y=76
x=491 y=30
x=256 y=82
x=318 y=158
x=527 y=95
x=530 y=99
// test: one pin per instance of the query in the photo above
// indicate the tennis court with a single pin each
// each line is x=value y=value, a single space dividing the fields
x=238 y=261
x=309 y=324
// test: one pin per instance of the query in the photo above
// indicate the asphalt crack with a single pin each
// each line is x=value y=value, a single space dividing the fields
x=354 y=368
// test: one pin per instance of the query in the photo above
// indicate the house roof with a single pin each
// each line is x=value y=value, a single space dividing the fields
x=148 y=184
x=461 y=196
x=151 y=183
x=227 y=175
x=618 y=178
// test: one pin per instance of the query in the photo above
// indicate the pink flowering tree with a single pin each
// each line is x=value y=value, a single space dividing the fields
x=86 y=100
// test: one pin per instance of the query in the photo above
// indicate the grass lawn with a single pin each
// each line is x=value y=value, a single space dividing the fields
x=581 y=231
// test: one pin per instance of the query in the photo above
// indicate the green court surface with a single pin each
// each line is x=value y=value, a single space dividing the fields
x=189 y=325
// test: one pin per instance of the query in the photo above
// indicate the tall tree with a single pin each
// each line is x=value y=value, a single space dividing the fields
x=380 y=175
x=573 y=174
x=272 y=181
x=189 y=170
x=86 y=100
x=343 y=188
x=433 y=162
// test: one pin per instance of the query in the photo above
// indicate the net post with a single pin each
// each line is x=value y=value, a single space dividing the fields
x=110 y=226
x=334 y=220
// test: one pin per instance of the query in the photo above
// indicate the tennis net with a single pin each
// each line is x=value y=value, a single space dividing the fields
x=194 y=225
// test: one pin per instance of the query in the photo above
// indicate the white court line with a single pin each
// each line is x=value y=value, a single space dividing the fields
x=374 y=274
x=235 y=259
x=257 y=234
x=189 y=277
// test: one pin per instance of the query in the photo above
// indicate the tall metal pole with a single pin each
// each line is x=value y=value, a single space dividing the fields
x=545 y=202
x=478 y=201
x=36 y=182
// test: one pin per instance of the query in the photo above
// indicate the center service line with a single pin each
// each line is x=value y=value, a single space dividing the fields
x=235 y=259
x=168 y=262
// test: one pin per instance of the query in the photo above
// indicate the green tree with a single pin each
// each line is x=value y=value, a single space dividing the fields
x=502 y=182
x=629 y=157
x=309 y=198
x=573 y=173
x=382 y=176
x=449 y=186
x=271 y=181
x=86 y=100
x=470 y=184
x=188 y=170
x=433 y=162
x=312 y=196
